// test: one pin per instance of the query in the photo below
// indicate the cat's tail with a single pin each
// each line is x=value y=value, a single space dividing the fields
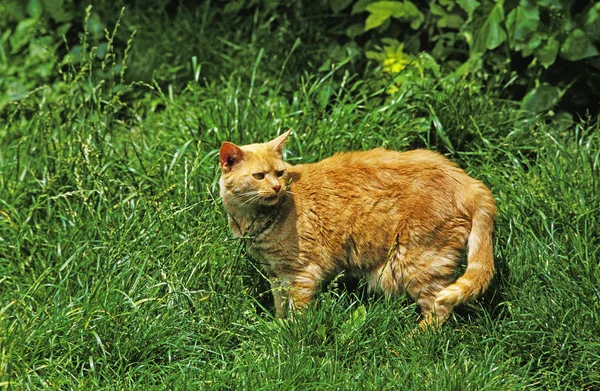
x=480 y=259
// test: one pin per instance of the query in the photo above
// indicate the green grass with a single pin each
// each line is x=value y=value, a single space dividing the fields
x=118 y=270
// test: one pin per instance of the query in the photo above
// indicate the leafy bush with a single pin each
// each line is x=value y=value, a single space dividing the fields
x=30 y=37
x=538 y=40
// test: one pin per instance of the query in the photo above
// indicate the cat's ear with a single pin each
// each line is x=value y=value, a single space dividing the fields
x=230 y=154
x=278 y=143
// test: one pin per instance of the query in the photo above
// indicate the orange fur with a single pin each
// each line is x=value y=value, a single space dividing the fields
x=399 y=219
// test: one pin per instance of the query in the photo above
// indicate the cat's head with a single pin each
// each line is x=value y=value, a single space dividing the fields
x=253 y=175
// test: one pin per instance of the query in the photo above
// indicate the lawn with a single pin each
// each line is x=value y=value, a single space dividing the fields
x=118 y=269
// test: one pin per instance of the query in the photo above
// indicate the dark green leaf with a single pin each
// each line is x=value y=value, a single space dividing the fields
x=417 y=22
x=16 y=91
x=412 y=13
x=521 y=23
x=381 y=11
x=95 y=26
x=339 y=5
x=437 y=10
x=546 y=54
x=360 y=6
x=376 y=19
x=63 y=29
x=578 y=46
x=553 y=4
x=24 y=31
x=472 y=65
x=541 y=98
x=404 y=10
x=58 y=10
x=491 y=35
x=534 y=42
x=102 y=48
x=74 y=56
x=234 y=6
x=35 y=8
x=355 y=29
x=592 y=23
x=371 y=55
x=469 y=6
x=563 y=120
x=326 y=66
x=452 y=21
x=390 y=41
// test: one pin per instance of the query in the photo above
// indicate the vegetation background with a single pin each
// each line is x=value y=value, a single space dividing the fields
x=118 y=271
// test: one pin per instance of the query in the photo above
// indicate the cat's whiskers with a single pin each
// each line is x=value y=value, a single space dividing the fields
x=252 y=199
x=238 y=197
x=245 y=199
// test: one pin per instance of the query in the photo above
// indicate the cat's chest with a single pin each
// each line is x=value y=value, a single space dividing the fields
x=270 y=237
x=275 y=247
x=264 y=236
x=268 y=240
x=275 y=253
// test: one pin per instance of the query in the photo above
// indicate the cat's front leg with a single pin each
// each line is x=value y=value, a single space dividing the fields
x=301 y=292
x=291 y=296
x=279 y=297
x=294 y=291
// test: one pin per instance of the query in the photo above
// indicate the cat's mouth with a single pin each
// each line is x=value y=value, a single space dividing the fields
x=270 y=199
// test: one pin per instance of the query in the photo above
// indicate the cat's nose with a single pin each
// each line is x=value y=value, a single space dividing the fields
x=277 y=188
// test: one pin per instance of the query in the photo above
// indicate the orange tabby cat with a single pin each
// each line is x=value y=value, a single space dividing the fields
x=399 y=219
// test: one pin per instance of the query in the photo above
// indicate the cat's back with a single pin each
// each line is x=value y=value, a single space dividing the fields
x=378 y=163
x=381 y=158
x=420 y=179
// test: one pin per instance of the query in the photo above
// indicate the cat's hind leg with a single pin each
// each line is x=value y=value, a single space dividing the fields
x=432 y=274
x=432 y=315
x=423 y=274
x=423 y=285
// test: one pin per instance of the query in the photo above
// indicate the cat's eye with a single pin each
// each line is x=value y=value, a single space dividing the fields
x=280 y=173
x=259 y=176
